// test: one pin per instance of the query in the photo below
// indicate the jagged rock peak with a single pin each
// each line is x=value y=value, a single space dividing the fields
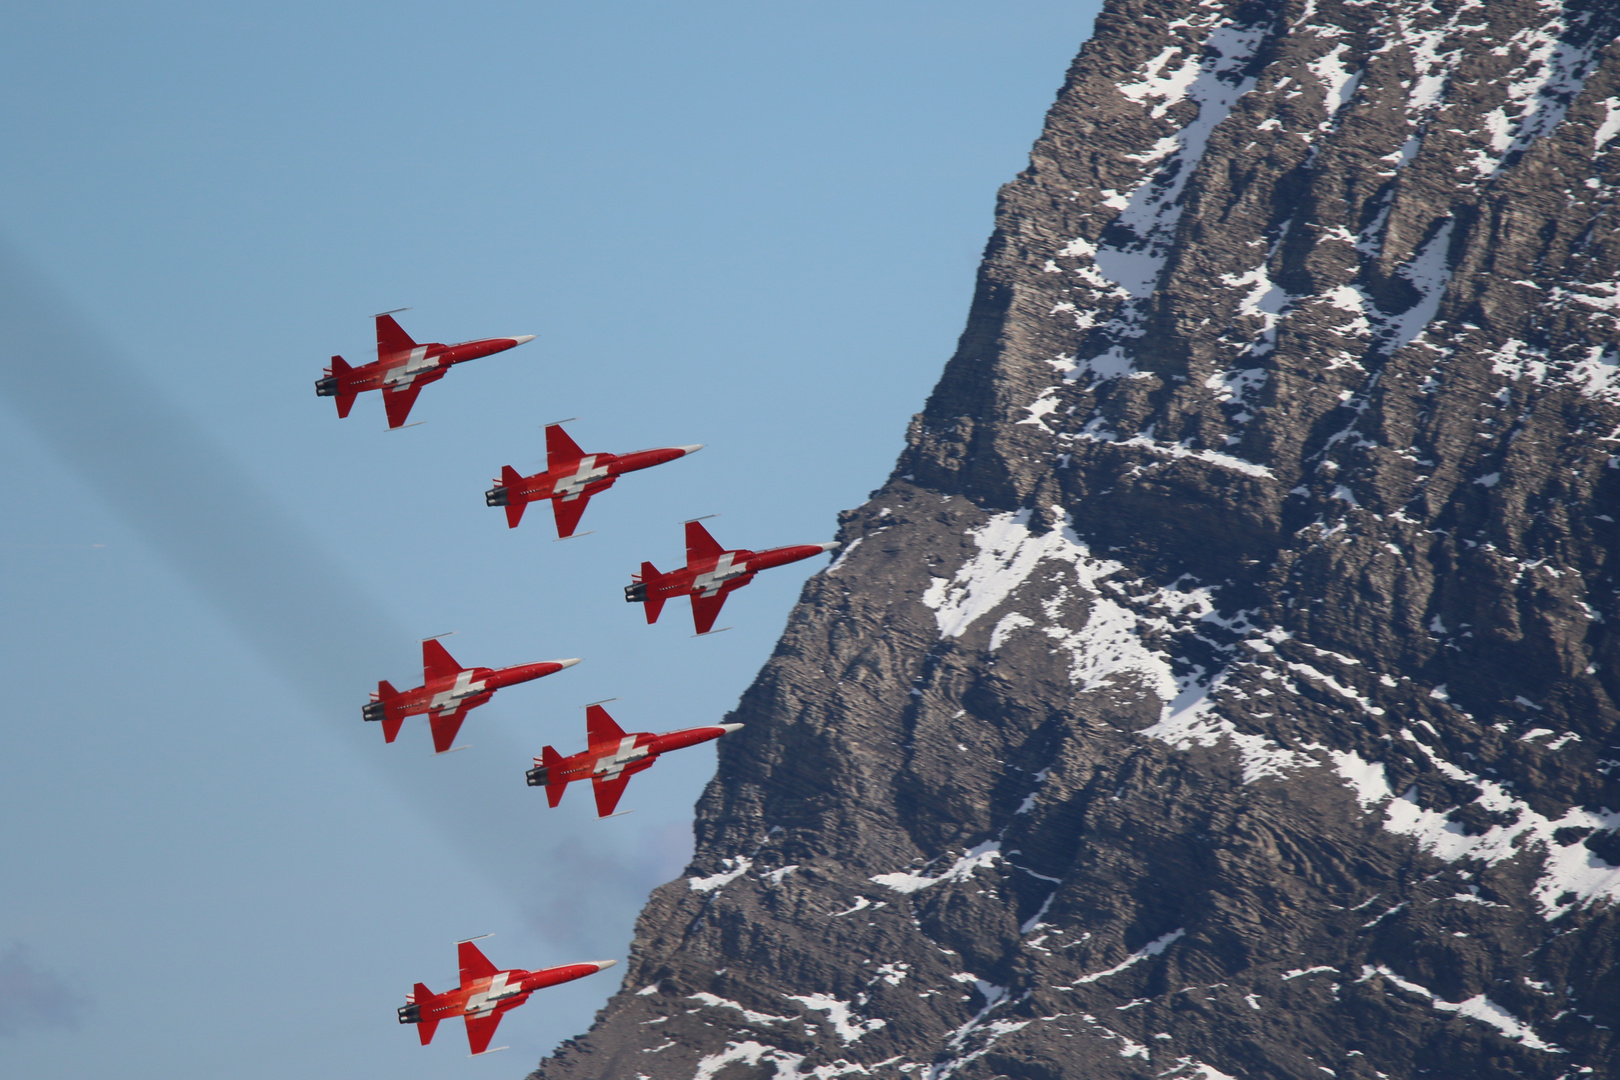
x=1224 y=683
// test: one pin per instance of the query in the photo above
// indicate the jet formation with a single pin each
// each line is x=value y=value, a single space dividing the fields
x=485 y=993
x=611 y=757
x=711 y=574
x=448 y=692
x=402 y=368
x=571 y=478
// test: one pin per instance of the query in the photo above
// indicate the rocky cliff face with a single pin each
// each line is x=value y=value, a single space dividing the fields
x=1225 y=682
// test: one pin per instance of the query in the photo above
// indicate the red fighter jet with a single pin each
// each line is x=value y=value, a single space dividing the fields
x=485 y=993
x=448 y=690
x=571 y=478
x=611 y=757
x=711 y=572
x=402 y=368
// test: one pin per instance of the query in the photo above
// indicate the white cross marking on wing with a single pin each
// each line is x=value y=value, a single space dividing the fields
x=708 y=584
x=570 y=487
x=413 y=366
x=464 y=687
x=611 y=765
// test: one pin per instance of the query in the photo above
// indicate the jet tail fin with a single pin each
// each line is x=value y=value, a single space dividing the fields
x=553 y=763
x=390 y=724
x=650 y=575
x=424 y=1028
x=511 y=480
x=345 y=398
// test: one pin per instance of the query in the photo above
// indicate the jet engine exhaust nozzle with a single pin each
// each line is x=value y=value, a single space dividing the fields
x=327 y=387
x=410 y=1014
x=637 y=593
x=375 y=711
x=538 y=776
x=495 y=496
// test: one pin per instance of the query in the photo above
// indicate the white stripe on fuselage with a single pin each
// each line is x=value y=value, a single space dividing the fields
x=609 y=766
x=464 y=687
x=570 y=487
x=709 y=583
x=415 y=364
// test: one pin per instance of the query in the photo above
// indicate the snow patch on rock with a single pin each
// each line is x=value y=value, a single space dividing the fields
x=1569 y=875
x=838 y=1016
x=985 y=854
x=1479 y=1007
x=736 y=868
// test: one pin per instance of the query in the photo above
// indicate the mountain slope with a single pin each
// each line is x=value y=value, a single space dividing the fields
x=1223 y=684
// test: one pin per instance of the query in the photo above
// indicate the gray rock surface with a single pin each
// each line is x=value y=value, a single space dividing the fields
x=1224 y=683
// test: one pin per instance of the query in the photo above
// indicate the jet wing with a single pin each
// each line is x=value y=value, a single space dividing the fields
x=437 y=663
x=699 y=544
x=391 y=340
x=706 y=609
x=474 y=964
x=561 y=451
x=398 y=403
x=480 y=1030
x=445 y=726
x=608 y=792
x=600 y=728
x=568 y=513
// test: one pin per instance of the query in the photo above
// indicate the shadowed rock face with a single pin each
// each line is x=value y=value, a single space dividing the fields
x=1224 y=683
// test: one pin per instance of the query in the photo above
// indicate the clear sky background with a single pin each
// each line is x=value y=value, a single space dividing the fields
x=753 y=226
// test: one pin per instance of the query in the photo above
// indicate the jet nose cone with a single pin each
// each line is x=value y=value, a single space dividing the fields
x=602 y=965
x=694 y=448
x=729 y=728
x=569 y=663
x=829 y=545
x=523 y=339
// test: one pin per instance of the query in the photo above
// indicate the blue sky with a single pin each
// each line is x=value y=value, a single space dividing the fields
x=753 y=226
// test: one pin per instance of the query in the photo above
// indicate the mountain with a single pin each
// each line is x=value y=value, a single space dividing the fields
x=1224 y=683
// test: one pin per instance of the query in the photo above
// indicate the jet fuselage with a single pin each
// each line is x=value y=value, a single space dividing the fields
x=726 y=572
x=571 y=478
x=611 y=758
x=485 y=994
x=402 y=368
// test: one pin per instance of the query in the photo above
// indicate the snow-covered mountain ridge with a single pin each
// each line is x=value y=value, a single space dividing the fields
x=1224 y=682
